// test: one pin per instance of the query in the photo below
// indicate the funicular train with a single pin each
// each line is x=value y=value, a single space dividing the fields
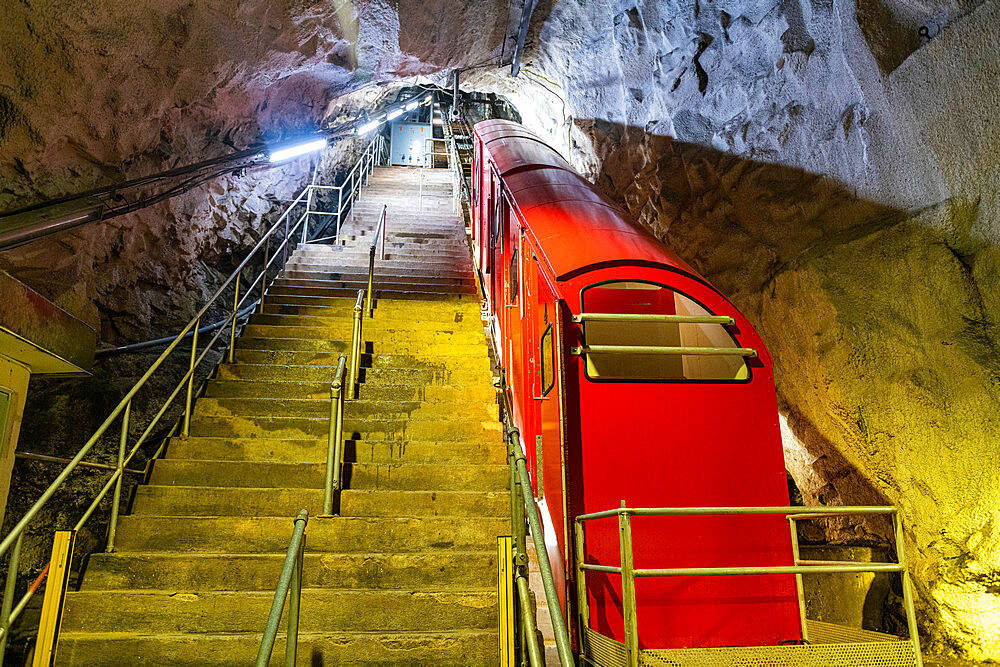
x=634 y=382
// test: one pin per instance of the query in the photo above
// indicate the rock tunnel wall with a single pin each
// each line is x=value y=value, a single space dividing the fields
x=828 y=166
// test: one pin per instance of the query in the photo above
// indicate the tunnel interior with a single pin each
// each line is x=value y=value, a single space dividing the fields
x=832 y=168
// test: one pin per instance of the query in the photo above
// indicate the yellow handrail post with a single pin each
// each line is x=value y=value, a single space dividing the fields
x=904 y=572
x=583 y=606
x=628 y=588
x=232 y=331
x=800 y=590
x=120 y=472
x=190 y=387
x=55 y=591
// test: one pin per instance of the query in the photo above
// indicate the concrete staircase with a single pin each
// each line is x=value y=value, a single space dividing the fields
x=405 y=575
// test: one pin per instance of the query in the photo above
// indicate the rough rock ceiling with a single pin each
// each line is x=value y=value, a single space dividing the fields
x=830 y=165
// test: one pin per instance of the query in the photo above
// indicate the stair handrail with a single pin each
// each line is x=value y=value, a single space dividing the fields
x=14 y=538
x=378 y=237
x=521 y=499
x=356 y=340
x=334 y=450
x=290 y=587
x=359 y=174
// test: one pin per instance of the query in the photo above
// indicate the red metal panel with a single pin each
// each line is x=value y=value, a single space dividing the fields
x=686 y=444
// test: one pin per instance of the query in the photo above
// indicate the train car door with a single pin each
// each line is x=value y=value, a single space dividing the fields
x=512 y=306
x=544 y=418
x=495 y=263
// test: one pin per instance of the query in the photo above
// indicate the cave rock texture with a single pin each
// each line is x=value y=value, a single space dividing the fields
x=833 y=167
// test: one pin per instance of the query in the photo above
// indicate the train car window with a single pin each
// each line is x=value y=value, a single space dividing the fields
x=475 y=179
x=515 y=284
x=495 y=223
x=627 y=297
x=548 y=361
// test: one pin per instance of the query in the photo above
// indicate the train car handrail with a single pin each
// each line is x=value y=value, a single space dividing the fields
x=724 y=320
x=656 y=349
x=800 y=566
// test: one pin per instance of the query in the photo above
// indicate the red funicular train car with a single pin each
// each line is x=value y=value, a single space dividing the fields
x=632 y=379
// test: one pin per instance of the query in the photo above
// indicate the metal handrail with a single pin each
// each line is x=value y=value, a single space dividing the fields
x=288 y=232
x=289 y=586
x=379 y=236
x=724 y=320
x=656 y=349
x=356 y=339
x=358 y=175
x=522 y=499
x=800 y=566
x=334 y=453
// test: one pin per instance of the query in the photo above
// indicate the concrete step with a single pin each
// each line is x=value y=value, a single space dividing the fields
x=373 y=346
x=260 y=572
x=436 y=362
x=171 y=612
x=294 y=294
x=279 y=502
x=368 y=503
x=371 y=326
x=342 y=332
x=364 y=428
x=461 y=648
x=369 y=392
x=340 y=308
x=243 y=406
x=221 y=477
x=317 y=371
x=342 y=534
x=454 y=262
x=396 y=272
x=359 y=280
x=315 y=450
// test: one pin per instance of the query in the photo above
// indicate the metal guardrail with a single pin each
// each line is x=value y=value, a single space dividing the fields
x=282 y=229
x=377 y=239
x=289 y=587
x=629 y=572
x=349 y=191
x=521 y=499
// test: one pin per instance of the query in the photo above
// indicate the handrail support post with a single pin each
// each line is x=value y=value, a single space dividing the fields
x=116 y=501
x=628 y=588
x=190 y=387
x=232 y=331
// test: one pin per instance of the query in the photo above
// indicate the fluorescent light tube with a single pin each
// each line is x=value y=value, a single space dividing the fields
x=368 y=127
x=394 y=114
x=297 y=150
x=412 y=105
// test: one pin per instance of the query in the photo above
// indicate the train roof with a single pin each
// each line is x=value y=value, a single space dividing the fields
x=577 y=227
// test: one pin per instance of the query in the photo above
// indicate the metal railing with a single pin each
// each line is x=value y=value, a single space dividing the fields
x=377 y=239
x=521 y=499
x=334 y=453
x=282 y=229
x=349 y=191
x=289 y=587
x=630 y=573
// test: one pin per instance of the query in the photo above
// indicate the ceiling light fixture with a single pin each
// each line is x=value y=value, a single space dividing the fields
x=412 y=105
x=296 y=150
x=395 y=113
x=368 y=127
